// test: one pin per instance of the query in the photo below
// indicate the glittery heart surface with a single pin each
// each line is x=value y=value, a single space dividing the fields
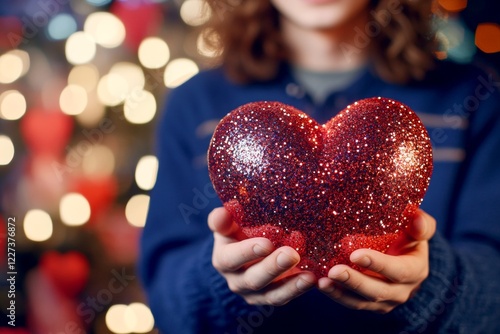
x=325 y=190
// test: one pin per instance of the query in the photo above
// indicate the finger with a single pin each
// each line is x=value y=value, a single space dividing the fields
x=352 y=300
x=407 y=268
x=262 y=273
x=422 y=227
x=230 y=256
x=281 y=292
x=370 y=288
x=221 y=222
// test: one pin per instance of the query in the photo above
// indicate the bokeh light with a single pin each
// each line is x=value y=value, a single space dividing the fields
x=488 y=37
x=61 y=26
x=12 y=105
x=137 y=209
x=11 y=67
x=86 y=76
x=140 y=318
x=133 y=318
x=124 y=79
x=455 y=39
x=140 y=107
x=112 y=89
x=99 y=161
x=99 y=3
x=80 y=48
x=25 y=59
x=37 y=225
x=106 y=29
x=453 y=5
x=115 y=319
x=74 y=209
x=179 y=71
x=131 y=74
x=73 y=99
x=146 y=172
x=94 y=112
x=153 y=52
x=195 y=12
x=6 y=150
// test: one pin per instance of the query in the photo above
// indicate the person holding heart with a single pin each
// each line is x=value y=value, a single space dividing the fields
x=440 y=276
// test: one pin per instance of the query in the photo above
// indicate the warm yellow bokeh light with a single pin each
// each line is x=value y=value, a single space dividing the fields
x=140 y=107
x=146 y=172
x=139 y=318
x=130 y=73
x=133 y=318
x=73 y=99
x=94 y=112
x=124 y=79
x=11 y=67
x=106 y=29
x=37 y=225
x=179 y=71
x=6 y=150
x=80 y=48
x=153 y=52
x=99 y=161
x=137 y=209
x=195 y=12
x=115 y=319
x=112 y=89
x=25 y=58
x=74 y=209
x=12 y=105
x=86 y=76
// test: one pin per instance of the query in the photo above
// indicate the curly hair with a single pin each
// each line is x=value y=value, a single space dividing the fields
x=247 y=37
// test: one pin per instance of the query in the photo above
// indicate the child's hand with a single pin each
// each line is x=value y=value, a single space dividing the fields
x=252 y=268
x=387 y=280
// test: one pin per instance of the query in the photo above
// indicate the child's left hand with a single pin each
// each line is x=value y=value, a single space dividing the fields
x=386 y=280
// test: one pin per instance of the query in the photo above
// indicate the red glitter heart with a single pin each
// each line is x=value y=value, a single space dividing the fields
x=325 y=190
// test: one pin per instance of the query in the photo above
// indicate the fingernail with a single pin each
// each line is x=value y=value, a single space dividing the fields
x=284 y=260
x=421 y=226
x=302 y=284
x=364 y=261
x=260 y=251
x=342 y=277
x=331 y=288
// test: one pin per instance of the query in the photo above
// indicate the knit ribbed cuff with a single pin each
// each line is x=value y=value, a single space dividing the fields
x=435 y=297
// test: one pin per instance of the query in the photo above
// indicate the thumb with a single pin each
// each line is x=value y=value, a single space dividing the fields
x=421 y=228
x=221 y=222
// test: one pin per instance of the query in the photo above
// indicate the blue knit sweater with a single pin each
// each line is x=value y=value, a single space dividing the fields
x=460 y=107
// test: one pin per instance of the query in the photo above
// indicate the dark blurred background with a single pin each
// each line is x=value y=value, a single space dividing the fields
x=82 y=83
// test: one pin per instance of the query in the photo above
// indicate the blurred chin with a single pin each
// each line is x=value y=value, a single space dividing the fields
x=320 y=14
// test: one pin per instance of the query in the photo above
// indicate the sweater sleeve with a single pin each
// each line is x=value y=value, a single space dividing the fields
x=185 y=292
x=461 y=294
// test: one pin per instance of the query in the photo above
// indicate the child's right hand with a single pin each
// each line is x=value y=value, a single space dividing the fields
x=253 y=268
